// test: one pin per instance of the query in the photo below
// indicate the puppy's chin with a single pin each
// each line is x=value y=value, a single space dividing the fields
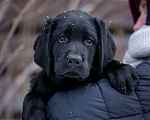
x=72 y=75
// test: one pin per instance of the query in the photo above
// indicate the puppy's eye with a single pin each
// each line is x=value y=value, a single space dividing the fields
x=63 y=38
x=89 y=41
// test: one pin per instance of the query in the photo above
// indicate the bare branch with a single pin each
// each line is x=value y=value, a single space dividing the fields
x=17 y=51
x=92 y=6
x=73 y=4
x=15 y=24
x=3 y=8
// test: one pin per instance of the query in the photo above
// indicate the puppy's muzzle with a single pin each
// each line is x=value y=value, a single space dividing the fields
x=74 y=60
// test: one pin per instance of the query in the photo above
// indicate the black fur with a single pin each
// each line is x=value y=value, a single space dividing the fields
x=73 y=48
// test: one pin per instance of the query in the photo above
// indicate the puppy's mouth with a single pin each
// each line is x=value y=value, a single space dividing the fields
x=72 y=74
x=77 y=73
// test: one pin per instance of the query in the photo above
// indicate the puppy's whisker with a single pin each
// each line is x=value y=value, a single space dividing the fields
x=59 y=66
x=91 y=54
x=51 y=59
x=94 y=68
x=62 y=77
x=56 y=58
x=62 y=50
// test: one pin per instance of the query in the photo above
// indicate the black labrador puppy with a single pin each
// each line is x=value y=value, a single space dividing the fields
x=74 y=48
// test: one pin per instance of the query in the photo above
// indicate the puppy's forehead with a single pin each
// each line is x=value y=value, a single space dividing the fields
x=75 y=20
x=74 y=16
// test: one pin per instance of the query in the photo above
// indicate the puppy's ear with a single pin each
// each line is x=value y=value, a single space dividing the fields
x=105 y=48
x=43 y=46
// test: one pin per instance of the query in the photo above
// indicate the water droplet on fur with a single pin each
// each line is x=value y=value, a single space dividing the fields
x=80 y=16
x=64 y=16
x=82 y=11
x=72 y=24
x=109 y=21
x=91 y=87
x=47 y=17
x=65 y=11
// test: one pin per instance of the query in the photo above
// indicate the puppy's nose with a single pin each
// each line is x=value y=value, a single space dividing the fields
x=74 y=60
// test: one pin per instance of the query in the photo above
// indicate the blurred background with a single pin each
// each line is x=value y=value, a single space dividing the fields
x=20 y=23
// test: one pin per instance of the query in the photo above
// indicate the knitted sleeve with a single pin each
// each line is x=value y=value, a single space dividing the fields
x=139 y=43
x=138 y=47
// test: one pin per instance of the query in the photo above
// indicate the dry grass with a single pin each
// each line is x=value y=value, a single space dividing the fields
x=16 y=54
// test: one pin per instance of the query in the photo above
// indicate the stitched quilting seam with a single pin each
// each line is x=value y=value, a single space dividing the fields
x=140 y=104
x=71 y=111
x=103 y=99
x=129 y=116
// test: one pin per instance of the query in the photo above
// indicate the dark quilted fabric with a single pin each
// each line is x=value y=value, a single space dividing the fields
x=99 y=101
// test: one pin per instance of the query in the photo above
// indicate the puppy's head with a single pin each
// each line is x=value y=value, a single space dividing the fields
x=73 y=44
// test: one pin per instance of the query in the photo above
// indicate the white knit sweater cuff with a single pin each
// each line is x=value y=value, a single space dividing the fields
x=139 y=43
x=128 y=59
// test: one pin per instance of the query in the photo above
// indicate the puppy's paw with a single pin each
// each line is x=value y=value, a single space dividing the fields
x=122 y=77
